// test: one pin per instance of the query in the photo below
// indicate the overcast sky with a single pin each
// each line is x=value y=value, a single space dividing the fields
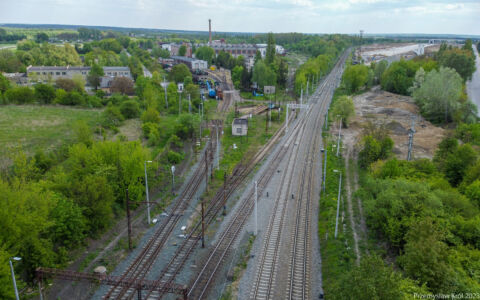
x=310 y=16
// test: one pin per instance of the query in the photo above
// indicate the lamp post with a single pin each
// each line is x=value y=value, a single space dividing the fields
x=15 y=258
x=173 y=180
x=338 y=200
x=146 y=191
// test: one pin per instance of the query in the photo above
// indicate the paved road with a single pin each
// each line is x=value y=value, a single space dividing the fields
x=473 y=86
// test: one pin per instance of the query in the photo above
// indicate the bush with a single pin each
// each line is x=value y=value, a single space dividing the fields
x=151 y=115
x=112 y=117
x=374 y=150
x=344 y=108
x=19 y=95
x=130 y=109
x=44 y=93
x=174 y=157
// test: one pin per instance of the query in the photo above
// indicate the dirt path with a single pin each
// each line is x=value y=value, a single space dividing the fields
x=348 y=187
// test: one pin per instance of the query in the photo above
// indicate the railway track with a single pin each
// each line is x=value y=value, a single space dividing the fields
x=143 y=263
x=218 y=202
x=298 y=283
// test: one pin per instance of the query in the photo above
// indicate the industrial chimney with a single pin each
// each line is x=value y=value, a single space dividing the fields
x=209 y=31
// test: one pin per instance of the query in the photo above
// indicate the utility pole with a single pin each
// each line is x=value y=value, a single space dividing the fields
x=146 y=191
x=218 y=149
x=225 y=193
x=286 y=119
x=256 y=200
x=411 y=132
x=338 y=140
x=206 y=170
x=203 y=223
x=129 y=223
x=338 y=201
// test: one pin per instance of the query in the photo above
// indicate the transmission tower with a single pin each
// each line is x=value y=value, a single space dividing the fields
x=411 y=132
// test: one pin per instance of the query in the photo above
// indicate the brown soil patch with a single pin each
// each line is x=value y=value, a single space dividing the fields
x=395 y=112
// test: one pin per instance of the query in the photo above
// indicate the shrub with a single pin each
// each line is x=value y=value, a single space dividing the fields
x=130 y=109
x=174 y=157
x=20 y=95
x=44 y=93
x=112 y=117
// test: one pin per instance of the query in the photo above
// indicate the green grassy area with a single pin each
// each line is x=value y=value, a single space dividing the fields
x=337 y=253
x=32 y=32
x=36 y=127
x=248 y=145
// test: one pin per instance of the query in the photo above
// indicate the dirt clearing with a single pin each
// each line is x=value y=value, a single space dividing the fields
x=395 y=112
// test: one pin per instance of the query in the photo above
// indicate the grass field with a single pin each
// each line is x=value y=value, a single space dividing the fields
x=36 y=127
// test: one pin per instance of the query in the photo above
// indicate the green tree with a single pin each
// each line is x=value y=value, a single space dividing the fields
x=270 y=53
x=426 y=256
x=263 y=75
x=182 y=50
x=20 y=95
x=83 y=133
x=122 y=85
x=179 y=72
x=94 y=75
x=236 y=76
x=41 y=37
x=9 y=62
x=380 y=68
x=462 y=61
x=343 y=108
x=438 y=96
x=4 y=84
x=44 y=93
x=205 y=53
x=355 y=77
x=130 y=109
x=372 y=279
x=398 y=77
x=458 y=162
x=282 y=73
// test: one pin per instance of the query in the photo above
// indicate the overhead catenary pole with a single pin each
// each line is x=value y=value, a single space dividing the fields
x=203 y=223
x=218 y=149
x=410 y=139
x=256 y=200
